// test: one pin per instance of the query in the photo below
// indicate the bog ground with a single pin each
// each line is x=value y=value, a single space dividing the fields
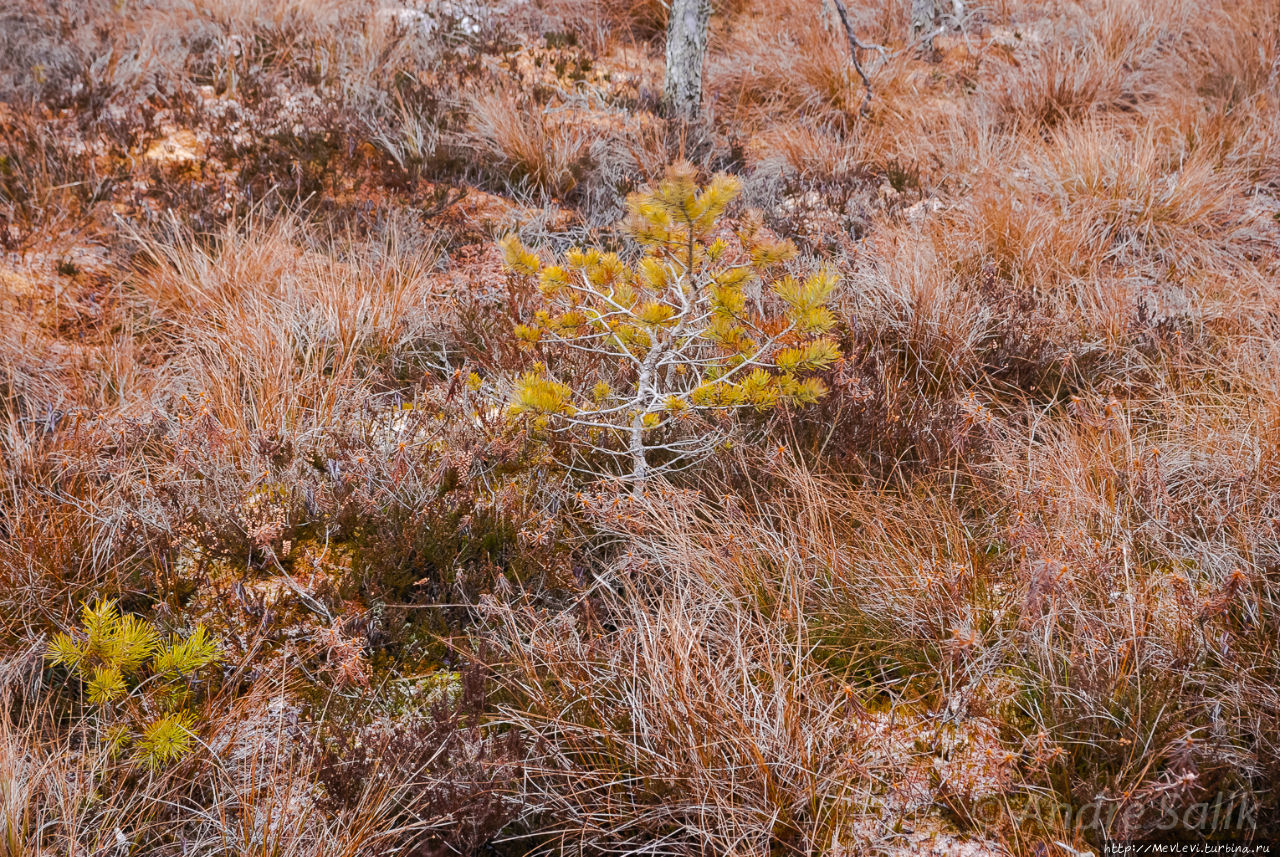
x=413 y=441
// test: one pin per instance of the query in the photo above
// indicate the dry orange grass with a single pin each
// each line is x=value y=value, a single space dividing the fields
x=529 y=142
x=276 y=337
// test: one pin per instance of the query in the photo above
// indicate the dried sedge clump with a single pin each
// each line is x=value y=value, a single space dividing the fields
x=525 y=138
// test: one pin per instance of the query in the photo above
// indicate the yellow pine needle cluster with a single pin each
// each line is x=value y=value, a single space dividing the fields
x=807 y=301
x=537 y=394
x=167 y=739
x=704 y=318
x=678 y=212
x=114 y=651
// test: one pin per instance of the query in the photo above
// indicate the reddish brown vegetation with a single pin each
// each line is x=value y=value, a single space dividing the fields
x=1024 y=557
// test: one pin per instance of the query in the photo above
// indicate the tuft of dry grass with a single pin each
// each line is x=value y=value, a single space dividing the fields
x=529 y=142
x=274 y=335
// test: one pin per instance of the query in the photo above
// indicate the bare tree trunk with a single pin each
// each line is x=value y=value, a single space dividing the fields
x=645 y=393
x=639 y=461
x=686 y=54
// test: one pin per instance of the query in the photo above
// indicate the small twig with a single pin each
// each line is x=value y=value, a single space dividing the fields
x=307 y=599
x=854 y=47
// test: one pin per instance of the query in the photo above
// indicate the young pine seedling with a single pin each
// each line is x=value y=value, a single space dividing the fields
x=140 y=685
x=636 y=355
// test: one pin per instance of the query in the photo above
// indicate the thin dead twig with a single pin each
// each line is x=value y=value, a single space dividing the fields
x=854 y=46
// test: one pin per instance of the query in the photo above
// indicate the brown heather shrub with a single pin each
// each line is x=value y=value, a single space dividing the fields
x=462 y=778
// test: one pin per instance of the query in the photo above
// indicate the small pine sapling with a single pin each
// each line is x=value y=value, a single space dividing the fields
x=637 y=355
x=140 y=683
